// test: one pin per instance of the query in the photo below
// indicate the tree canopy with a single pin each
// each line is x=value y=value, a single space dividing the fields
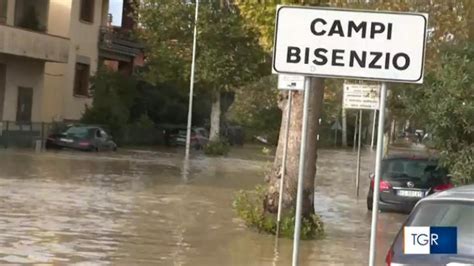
x=228 y=54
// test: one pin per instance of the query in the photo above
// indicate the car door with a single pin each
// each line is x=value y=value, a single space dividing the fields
x=97 y=140
x=105 y=139
x=102 y=140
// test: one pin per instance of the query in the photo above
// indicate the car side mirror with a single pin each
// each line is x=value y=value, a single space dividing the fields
x=371 y=176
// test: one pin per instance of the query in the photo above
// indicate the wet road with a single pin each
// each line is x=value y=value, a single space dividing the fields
x=141 y=208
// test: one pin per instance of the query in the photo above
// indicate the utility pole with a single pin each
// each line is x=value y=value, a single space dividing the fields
x=191 y=84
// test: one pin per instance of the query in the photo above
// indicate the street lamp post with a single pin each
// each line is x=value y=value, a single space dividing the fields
x=191 y=83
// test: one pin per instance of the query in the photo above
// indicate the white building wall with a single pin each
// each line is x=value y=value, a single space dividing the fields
x=84 y=38
x=54 y=73
x=22 y=73
x=54 y=98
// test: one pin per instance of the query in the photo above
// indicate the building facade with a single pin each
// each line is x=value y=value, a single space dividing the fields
x=49 y=49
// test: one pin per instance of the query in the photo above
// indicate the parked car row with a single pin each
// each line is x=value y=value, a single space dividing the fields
x=95 y=138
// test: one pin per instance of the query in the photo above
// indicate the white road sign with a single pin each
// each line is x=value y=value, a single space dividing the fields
x=290 y=82
x=361 y=96
x=383 y=46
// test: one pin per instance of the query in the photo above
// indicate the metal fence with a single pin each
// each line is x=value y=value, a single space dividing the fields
x=25 y=135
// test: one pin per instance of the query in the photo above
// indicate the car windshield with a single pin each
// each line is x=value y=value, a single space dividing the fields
x=460 y=215
x=423 y=170
x=79 y=132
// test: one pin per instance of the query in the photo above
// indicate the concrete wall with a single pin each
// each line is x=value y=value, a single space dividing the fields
x=25 y=43
x=84 y=38
x=56 y=94
x=54 y=74
x=59 y=17
x=22 y=73
x=11 y=12
x=61 y=104
x=53 y=92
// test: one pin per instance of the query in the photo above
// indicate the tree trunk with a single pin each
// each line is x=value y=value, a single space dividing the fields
x=392 y=132
x=316 y=94
x=214 y=134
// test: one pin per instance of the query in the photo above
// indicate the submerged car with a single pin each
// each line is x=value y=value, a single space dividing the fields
x=177 y=137
x=86 y=138
x=452 y=208
x=405 y=180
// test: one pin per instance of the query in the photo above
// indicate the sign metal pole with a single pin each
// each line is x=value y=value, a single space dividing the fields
x=355 y=132
x=358 y=154
x=299 y=196
x=283 y=161
x=191 y=84
x=378 y=172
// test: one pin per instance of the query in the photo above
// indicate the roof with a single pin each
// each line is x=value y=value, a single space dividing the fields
x=462 y=193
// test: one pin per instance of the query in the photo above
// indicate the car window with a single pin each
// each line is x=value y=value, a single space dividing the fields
x=79 y=132
x=98 y=134
x=456 y=214
x=403 y=168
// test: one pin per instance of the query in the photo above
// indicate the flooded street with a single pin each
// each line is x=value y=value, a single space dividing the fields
x=143 y=208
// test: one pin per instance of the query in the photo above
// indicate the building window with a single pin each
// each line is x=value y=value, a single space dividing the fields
x=87 y=10
x=32 y=15
x=81 y=80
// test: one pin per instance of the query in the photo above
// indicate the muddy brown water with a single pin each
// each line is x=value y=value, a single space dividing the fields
x=142 y=208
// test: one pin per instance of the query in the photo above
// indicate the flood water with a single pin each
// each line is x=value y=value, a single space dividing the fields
x=148 y=208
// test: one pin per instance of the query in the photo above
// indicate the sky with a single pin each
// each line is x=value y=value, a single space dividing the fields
x=115 y=8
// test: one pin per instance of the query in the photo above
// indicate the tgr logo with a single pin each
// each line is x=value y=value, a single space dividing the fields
x=430 y=240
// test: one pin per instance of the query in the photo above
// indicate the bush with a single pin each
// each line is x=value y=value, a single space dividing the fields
x=144 y=122
x=249 y=207
x=113 y=96
x=217 y=148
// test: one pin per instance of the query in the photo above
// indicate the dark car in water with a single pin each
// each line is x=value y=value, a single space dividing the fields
x=452 y=208
x=86 y=138
x=177 y=137
x=405 y=180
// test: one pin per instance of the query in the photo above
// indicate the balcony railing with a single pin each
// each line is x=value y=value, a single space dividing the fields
x=114 y=40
